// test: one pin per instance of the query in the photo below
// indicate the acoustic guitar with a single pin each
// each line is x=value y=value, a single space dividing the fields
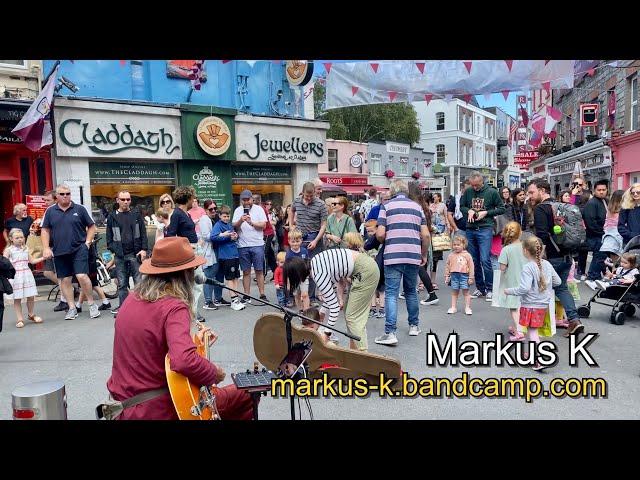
x=192 y=402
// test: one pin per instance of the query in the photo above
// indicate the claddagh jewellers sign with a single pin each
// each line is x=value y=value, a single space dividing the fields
x=117 y=135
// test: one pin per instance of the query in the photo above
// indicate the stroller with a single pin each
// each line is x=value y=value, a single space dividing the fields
x=626 y=297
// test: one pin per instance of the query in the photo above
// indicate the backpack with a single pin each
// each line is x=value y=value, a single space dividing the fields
x=573 y=232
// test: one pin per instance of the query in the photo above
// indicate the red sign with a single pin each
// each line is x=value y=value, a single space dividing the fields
x=589 y=114
x=345 y=180
x=522 y=99
x=36 y=206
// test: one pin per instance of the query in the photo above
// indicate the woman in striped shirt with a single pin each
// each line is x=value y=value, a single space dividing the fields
x=327 y=269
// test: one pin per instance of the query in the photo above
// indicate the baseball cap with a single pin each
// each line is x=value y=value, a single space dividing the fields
x=246 y=194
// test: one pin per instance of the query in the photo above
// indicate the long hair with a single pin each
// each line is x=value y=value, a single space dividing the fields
x=420 y=198
x=615 y=203
x=627 y=200
x=514 y=196
x=294 y=272
x=533 y=246
x=511 y=233
x=175 y=284
x=562 y=195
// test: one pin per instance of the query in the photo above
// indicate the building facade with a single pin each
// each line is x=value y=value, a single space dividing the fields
x=509 y=174
x=392 y=160
x=463 y=137
x=347 y=167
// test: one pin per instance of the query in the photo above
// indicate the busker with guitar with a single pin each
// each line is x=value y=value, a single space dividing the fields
x=155 y=321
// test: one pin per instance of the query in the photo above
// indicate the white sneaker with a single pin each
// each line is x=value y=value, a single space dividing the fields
x=401 y=295
x=489 y=297
x=414 y=331
x=601 y=284
x=592 y=285
x=583 y=277
x=468 y=311
x=477 y=294
x=237 y=305
x=93 y=311
x=72 y=314
x=387 y=339
x=452 y=310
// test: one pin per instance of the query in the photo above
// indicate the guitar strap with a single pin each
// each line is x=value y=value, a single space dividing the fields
x=111 y=409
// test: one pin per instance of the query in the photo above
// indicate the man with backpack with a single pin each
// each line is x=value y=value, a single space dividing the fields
x=594 y=214
x=559 y=240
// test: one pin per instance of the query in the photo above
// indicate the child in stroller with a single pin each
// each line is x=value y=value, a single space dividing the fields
x=625 y=274
x=626 y=293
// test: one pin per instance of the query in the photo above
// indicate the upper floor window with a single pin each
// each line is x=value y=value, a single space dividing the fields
x=332 y=156
x=440 y=153
x=634 y=103
x=13 y=63
x=376 y=163
x=440 y=121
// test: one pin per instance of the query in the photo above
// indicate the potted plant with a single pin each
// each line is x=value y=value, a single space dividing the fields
x=592 y=138
x=389 y=173
x=566 y=148
x=416 y=175
x=556 y=151
x=578 y=143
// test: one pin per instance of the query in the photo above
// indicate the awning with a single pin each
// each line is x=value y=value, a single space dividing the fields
x=356 y=189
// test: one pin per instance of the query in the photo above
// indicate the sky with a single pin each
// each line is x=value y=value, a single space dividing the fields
x=496 y=100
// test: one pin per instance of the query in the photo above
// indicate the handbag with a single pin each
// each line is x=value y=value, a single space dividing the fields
x=344 y=227
x=441 y=242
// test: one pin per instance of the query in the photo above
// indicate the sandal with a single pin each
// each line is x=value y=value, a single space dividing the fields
x=512 y=330
x=20 y=324
x=517 y=337
x=35 y=318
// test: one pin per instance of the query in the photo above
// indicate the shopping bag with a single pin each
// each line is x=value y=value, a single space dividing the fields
x=549 y=327
x=441 y=242
x=496 y=288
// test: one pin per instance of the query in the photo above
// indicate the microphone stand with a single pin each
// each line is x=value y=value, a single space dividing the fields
x=289 y=314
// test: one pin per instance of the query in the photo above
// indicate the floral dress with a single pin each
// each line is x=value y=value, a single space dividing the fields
x=24 y=285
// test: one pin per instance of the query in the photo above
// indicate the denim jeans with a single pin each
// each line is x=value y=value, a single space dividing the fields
x=480 y=250
x=219 y=276
x=409 y=276
x=282 y=297
x=126 y=267
x=211 y=272
x=597 y=261
x=562 y=265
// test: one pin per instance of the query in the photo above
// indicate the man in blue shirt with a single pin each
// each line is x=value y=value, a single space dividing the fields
x=71 y=229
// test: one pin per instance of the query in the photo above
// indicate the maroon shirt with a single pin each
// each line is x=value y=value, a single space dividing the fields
x=144 y=333
x=268 y=229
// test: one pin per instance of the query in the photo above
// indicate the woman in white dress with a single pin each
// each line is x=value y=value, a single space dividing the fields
x=23 y=284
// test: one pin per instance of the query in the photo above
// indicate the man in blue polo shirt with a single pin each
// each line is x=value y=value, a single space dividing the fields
x=71 y=229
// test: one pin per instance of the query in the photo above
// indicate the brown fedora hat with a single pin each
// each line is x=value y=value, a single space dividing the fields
x=171 y=254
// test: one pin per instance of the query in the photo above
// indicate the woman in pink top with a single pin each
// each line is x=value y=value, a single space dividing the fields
x=195 y=212
x=156 y=321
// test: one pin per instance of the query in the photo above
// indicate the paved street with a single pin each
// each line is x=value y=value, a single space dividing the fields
x=80 y=351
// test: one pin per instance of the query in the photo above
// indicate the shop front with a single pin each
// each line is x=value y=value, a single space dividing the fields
x=354 y=187
x=276 y=156
x=22 y=172
x=626 y=155
x=208 y=149
x=595 y=163
x=105 y=147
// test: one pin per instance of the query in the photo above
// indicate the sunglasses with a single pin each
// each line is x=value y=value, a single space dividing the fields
x=213 y=209
x=124 y=199
x=635 y=192
x=335 y=203
x=165 y=201
x=64 y=194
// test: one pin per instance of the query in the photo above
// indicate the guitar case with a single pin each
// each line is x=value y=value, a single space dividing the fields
x=270 y=345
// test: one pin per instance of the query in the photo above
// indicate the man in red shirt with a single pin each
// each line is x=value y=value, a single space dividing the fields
x=156 y=321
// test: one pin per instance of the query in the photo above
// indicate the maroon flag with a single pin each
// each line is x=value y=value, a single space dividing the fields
x=197 y=74
x=611 y=109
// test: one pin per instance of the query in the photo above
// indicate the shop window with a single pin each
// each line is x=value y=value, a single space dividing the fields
x=440 y=121
x=440 y=153
x=41 y=173
x=25 y=177
x=404 y=165
x=333 y=160
x=376 y=163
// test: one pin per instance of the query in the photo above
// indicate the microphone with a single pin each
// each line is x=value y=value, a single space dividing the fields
x=201 y=280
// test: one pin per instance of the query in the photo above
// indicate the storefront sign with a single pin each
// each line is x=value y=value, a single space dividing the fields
x=131 y=173
x=356 y=161
x=345 y=180
x=261 y=175
x=280 y=143
x=299 y=72
x=211 y=180
x=10 y=116
x=213 y=136
x=83 y=132
x=397 y=148
x=36 y=206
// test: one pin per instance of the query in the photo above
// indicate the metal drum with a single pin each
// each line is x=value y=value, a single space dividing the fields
x=46 y=400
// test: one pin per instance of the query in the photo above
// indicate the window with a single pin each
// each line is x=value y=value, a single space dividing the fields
x=376 y=163
x=467 y=154
x=461 y=120
x=42 y=175
x=634 y=103
x=14 y=63
x=333 y=160
x=390 y=163
x=477 y=125
x=467 y=124
x=440 y=121
x=25 y=175
x=404 y=165
x=426 y=162
x=440 y=153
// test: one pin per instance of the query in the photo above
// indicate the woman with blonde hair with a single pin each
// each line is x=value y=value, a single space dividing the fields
x=511 y=262
x=167 y=205
x=629 y=218
x=339 y=223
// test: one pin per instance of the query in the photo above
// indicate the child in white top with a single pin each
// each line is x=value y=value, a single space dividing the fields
x=625 y=274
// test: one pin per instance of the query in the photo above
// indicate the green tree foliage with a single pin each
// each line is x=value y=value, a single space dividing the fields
x=395 y=122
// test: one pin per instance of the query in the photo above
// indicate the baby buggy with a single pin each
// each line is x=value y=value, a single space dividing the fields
x=626 y=297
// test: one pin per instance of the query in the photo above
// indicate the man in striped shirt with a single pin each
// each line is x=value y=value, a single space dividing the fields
x=403 y=229
x=310 y=216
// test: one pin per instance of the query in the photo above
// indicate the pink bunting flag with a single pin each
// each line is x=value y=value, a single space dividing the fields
x=375 y=66
x=123 y=63
x=467 y=97
x=546 y=86
x=467 y=65
x=546 y=62
x=505 y=94
x=420 y=66
x=538 y=125
x=328 y=67
x=428 y=97
x=509 y=64
x=225 y=61
x=553 y=134
x=591 y=72
x=392 y=96
x=354 y=90
x=553 y=116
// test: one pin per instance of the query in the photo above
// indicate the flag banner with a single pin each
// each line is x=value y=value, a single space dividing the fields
x=441 y=77
x=34 y=128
